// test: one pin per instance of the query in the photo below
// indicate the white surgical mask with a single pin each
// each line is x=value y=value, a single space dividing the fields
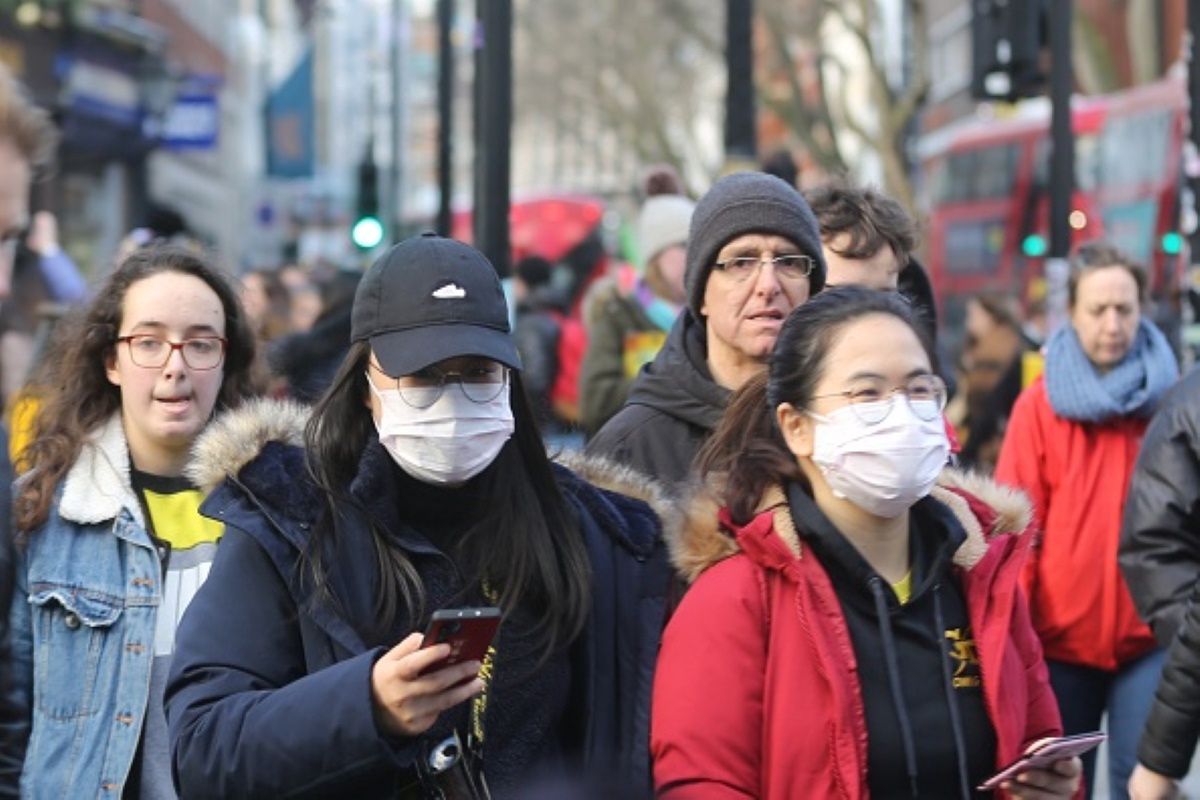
x=448 y=443
x=882 y=468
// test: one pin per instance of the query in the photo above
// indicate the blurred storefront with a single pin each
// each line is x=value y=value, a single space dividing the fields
x=100 y=69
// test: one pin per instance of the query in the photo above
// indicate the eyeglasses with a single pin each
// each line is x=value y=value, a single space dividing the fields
x=479 y=384
x=153 y=352
x=792 y=267
x=871 y=400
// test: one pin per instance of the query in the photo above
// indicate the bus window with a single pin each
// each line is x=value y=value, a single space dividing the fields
x=974 y=247
x=985 y=173
x=1146 y=137
x=1087 y=162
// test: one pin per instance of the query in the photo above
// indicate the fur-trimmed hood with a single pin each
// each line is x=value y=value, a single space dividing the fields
x=237 y=437
x=700 y=541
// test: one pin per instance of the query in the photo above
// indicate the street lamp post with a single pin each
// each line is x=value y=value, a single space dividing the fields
x=740 y=129
x=1062 y=163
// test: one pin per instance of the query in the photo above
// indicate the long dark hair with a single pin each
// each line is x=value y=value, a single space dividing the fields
x=747 y=453
x=542 y=565
x=75 y=394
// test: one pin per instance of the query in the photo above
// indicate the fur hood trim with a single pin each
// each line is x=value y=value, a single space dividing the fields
x=236 y=437
x=613 y=477
x=98 y=485
x=700 y=541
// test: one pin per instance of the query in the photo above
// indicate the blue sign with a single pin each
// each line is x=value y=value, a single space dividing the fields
x=192 y=123
x=291 y=140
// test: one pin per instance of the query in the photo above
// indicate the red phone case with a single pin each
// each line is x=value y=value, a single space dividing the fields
x=1050 y=751
x=468 y=631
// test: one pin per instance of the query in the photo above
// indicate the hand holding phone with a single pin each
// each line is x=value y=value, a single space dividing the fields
x=468 y=631
x=1043 y=755
x=424 y=675
x=411 y=686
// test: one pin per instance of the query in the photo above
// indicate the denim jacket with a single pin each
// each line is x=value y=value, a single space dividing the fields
x=83 y=620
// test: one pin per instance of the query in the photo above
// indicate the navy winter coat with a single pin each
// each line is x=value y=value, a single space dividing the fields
x=269 y=693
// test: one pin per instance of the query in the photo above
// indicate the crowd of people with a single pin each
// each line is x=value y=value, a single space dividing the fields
x=237 y=506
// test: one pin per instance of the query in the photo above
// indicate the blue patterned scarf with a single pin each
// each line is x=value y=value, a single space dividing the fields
x=1131 y=388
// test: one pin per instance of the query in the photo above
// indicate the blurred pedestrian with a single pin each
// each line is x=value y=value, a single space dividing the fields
x=539 y=311
x=27 y=144
x=1071 y=444
x=1160 y=558
x=992 y=359
x=753 y=254
x=782 y=164
x=853 y=626
x=422 y=484
x=629 y=314
x=308 y=359
x=868 y=240
x=267 y=303
x=112 y=546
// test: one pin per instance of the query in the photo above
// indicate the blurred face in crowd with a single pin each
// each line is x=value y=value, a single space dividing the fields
x=254 y=298
x=1105 y=314
x=164 y=408
x=989 y=347
x=743 y=313
x=880 y=271
x=672 y=262
x=15 y=177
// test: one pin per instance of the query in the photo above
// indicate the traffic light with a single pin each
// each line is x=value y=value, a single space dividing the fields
x=1034 y=246
x=367 y=231
x=1006 y=43
x=1172 y=243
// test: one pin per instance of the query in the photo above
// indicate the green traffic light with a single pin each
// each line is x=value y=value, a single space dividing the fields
x=1034 y=246
x=1172 y=243
x=367 y=233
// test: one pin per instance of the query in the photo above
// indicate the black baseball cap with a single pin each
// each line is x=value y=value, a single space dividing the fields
x=427 y=299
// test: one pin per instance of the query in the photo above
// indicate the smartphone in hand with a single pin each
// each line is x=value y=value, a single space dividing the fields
x=468 y=631
x=1045 y=754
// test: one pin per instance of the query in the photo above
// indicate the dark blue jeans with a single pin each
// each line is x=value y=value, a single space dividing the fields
x=1085 y=694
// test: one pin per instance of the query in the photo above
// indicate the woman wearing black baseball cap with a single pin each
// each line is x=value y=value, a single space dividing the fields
x=418 y=483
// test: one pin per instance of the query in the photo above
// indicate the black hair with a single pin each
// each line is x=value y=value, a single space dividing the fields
x=542 y=567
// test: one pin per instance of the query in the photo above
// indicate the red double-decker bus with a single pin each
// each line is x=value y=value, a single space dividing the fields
x=985 y=189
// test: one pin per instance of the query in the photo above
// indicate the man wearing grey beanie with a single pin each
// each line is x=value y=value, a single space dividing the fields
x=753 y=254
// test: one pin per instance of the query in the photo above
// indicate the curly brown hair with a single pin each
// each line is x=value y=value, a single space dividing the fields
x=75 y=394
x=871 y=219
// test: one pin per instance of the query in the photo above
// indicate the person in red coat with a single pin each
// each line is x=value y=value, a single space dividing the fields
x=853 y=626
x=1071 y=445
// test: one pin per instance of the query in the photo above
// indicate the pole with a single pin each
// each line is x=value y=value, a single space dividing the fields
x=445 y=18
x=740 y=130
x=1189 y=224
x=1062 y=163
x=395 y=204
x=494 y=127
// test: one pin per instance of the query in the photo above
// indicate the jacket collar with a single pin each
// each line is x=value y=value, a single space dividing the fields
x=98 y=485
x=235 y=438
x=705 y=533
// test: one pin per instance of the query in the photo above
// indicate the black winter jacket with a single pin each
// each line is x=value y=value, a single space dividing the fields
x=673 y=407
x=1160 y=557
x=269 y=692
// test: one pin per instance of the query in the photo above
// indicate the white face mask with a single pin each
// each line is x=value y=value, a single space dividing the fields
x=447 y=443
x=883 y=468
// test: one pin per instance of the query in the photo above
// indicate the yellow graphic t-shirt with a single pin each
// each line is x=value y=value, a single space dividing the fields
x=187 y=544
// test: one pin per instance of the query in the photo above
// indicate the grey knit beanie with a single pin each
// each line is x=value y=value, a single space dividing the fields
x=748 y=202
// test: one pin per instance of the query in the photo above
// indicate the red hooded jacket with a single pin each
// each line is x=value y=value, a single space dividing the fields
x=756 y=692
